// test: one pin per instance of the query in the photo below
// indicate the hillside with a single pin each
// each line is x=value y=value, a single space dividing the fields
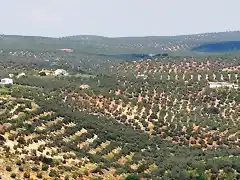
x=149 y=119
x=91 y=107
x=220 y=47
x=121 y=45
x=156 y=44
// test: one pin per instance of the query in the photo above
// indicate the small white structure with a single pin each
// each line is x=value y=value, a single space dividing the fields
x=20 y=75
x=6 y=81
x=67 y=50
x=11 y=75
x=222 y=84
x=141 y=76
x=84 y=86
x=60 y=72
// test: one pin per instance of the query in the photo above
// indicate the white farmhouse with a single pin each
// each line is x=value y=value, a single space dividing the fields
x=6 y=81
x=60 y=72
x=222 y=84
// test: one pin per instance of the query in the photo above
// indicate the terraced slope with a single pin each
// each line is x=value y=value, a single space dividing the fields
x=155 y=102
x=156 y=119
x=79 y=62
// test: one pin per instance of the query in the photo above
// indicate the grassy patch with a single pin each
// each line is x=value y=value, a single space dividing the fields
x=18 y=86
x=4 y=90
x=84 y=75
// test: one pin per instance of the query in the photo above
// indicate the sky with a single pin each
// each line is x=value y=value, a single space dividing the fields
x=117 y=18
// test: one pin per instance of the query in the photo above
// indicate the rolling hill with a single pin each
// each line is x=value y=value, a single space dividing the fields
x=118 y=113
x=118 y=45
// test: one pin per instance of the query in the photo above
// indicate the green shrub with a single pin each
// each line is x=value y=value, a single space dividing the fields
x=13 y=175
x=18 y=162
x=8 y=168
x=26 y=175
x=44 y=167
x=39 y=175
x=53 y=173
x=35 y=168
x=21 y=168
x=66 y=177
x=132 y=177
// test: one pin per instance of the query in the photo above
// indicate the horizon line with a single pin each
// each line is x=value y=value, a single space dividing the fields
x=22 y=35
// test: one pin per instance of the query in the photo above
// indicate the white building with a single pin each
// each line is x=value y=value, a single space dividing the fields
x=6 y=81
x=84 y=86
x=60 y=72
x=222 y=84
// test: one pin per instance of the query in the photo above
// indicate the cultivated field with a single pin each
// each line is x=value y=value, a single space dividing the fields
x=169 y=118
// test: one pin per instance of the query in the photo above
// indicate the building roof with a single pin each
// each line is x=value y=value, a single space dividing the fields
x=6 y=79
x=60 y=71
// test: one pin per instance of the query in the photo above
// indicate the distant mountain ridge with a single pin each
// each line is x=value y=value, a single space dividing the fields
x=118 y=45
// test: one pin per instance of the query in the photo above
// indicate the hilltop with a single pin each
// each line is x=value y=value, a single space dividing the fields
x=120 y=45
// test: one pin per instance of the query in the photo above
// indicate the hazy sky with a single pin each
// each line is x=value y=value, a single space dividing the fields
x=117 y=17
